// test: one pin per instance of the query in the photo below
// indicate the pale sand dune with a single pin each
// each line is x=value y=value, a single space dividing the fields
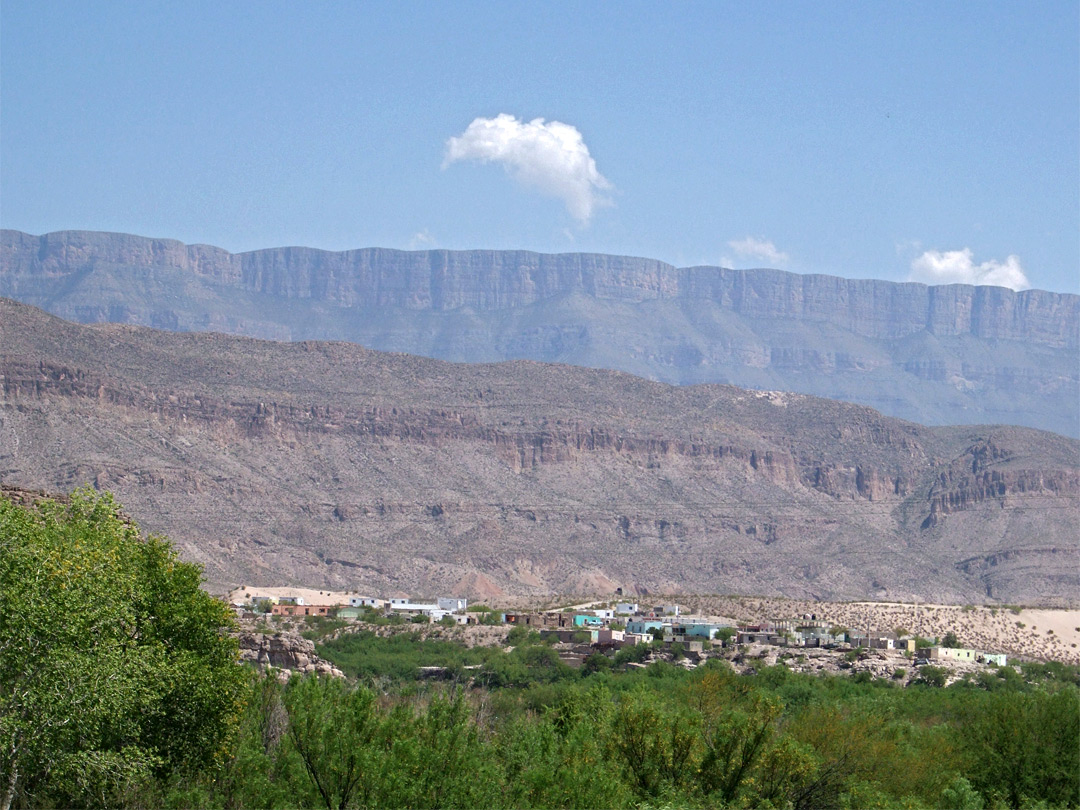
x=310 y=596
x=991 y=629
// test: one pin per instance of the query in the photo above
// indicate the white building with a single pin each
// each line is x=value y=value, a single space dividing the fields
x=427 y=608
x=452 y=604
x=365 y=601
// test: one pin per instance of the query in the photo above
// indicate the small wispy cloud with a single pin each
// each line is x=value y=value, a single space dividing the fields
x=550 y=157
x=422 y=240
x=958 y=267
x=758 y=250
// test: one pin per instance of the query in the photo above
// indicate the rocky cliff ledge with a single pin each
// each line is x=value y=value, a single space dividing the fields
x=284 y=650
x=936 y=355
x=481 y=280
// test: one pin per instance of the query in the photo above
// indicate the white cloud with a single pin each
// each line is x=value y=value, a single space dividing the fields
x=550 y=157
x=958 y=267
x=422 y=240
x=751 y=248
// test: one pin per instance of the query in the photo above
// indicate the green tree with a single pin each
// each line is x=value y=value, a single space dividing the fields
x=725 y=634
x=655 y=744
x=1023 y=747
x=933 y=676
x=950 y=640
x=735 y=739
x=597 y=662
x=437 y=759
x=960 y=795
x=332 y=726
x=113 y=663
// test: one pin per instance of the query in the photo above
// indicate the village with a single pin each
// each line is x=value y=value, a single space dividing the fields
x=806 y=642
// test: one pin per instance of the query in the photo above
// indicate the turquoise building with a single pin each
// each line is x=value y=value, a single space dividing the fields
x=581 y=620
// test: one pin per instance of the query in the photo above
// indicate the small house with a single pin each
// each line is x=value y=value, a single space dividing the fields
x=302 y=610
x=952 y=654
x=604 y=636
x=643 y=626
x=882 y=643
x=754 y=636
x=581 y=620
x=697 y=629
x=366 y=601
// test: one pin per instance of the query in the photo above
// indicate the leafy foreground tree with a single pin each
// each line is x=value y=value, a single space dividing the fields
x=114 y=665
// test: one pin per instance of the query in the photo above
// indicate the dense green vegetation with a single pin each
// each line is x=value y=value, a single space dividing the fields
x=662 y=736
x=120 y=689
x=114 y=669
x=378 y=660
x=397 y=658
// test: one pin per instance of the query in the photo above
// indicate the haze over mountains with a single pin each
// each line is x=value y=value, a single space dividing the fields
x=938 y=355
x=328 y=464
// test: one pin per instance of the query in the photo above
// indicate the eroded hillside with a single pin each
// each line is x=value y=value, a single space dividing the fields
x=335 y=466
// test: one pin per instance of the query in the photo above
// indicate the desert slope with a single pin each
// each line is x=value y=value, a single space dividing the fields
x=938 y=355
x=331 y=465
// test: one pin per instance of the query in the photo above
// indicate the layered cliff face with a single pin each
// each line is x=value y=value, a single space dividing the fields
x=329 y=465
x=939 y=355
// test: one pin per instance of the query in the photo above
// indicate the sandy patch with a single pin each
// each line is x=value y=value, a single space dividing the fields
x=311 y=596
x=1025 y=633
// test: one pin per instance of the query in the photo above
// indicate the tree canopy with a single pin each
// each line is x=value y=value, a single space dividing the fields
x=114 y=664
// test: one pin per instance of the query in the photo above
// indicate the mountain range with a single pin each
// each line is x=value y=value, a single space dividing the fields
x=937 y=355
x=332 y=465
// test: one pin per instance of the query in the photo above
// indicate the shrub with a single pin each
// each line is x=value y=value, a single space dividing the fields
x=632 y=653
x=933 y=676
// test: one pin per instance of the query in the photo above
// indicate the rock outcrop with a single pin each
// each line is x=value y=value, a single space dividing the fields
x=284 y=650
x=330 y=465
x=940 y=355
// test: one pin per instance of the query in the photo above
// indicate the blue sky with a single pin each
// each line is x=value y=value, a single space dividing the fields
x=874 y=140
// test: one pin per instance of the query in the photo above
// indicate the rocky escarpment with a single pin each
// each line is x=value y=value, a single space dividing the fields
x=951 y=354
x=29 y=497
x=520 y=447
x=481 y=280
x=284 y=650
x=988 y=472
x=330 y=465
